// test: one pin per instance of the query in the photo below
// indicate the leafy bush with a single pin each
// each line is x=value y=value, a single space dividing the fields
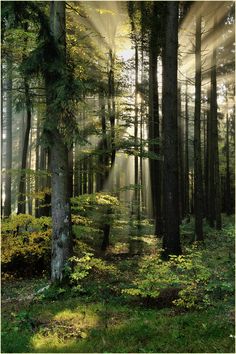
x=203 y=275
x=81 y=268
x=26 y=243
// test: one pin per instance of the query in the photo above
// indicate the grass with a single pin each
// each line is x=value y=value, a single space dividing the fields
x=74 y=326
x=102 y=321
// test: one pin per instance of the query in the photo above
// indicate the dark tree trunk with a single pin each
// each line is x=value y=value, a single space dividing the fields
x=186 y=156
x=198 y=188
x=214 y=121
x=7 y=205
x=180 y=160
x=154 y=127
x=136 y=175
x=22 y=185
x=103 y=156
x=71 y=171
x=228 y=207
x=171 y=239
x=111 y=104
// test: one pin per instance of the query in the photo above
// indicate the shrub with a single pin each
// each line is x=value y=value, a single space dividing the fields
x=186 y=273
x=88 y=265
x=26 y=244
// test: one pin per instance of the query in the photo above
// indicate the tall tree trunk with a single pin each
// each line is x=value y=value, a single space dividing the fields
x=180 y=160
x=171 y=239
x=71 y=171
x=198 y=188
x=103 y=156
x=111 y=104
x=186 y=155
x=228 y=208
x=215 y=150
x=154 y=127
x=29 y=180
x=136 y=175
x=61 y=213
x=7 y=205
x=22 y=184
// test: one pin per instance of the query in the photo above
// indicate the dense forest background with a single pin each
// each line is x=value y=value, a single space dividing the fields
x=118 y=150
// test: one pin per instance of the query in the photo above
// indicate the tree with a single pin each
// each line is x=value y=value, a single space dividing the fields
x=171 y=238
x=61 y=213
x=154 y=124
x=9 y=103
x=198 y=187
x=215 y=150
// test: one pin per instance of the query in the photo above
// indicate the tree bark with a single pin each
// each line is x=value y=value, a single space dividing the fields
x=154 y=127
x=198 y=188
x=61 y=213
x=186 y=155
x=22 y=185
x=7 y=205
x=171 y=239
x=228 y=207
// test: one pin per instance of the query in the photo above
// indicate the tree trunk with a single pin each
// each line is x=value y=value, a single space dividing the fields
x=171 y=239
x=136 y=175
x=215 y=150
x=7 y=205
x=186 y=156
x=228 y=208
x=180 y=160
x=154 y=127
x=111 y=104
x=61 y=213
x=198 y=188
x=22 y=184
x=71 y=170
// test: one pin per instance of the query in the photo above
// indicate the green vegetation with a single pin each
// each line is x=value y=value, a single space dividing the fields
x=98 y=311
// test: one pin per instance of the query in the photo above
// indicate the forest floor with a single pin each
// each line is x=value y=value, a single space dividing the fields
x=102 y=320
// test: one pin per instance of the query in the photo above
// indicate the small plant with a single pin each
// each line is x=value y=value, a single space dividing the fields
x=81 y=268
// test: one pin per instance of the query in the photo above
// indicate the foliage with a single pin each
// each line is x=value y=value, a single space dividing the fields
x=25 y=243
x=199 y=279
x=92 y=211
x=82 y=267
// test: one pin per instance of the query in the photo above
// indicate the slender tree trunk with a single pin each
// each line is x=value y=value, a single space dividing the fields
x=171 y=239
x=111 y=104
x=61 y=213
x=186 y=157
x=214 y=120
x=29 y=180
x=22 y=184
x=154 y=127
x=103 y=157
x=198 y=188
x=180 y=160
x=71 y=171
x=228 y=208
x=136 y=175
x=7 y=206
